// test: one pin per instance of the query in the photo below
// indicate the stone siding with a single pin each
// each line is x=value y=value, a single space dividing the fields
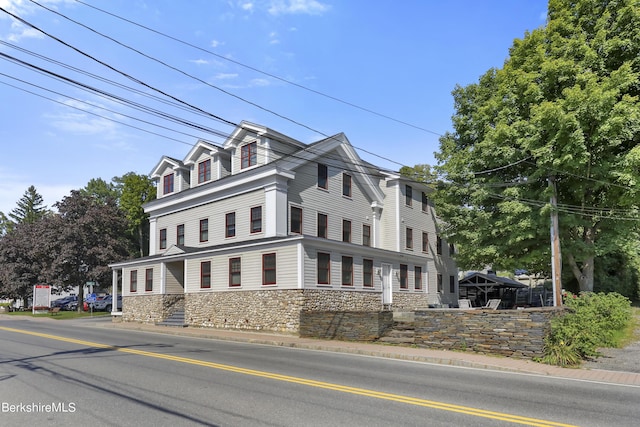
x=345 y=325
x=273 y=310
x=409 y=301
x=150 y=308
x=513 y=333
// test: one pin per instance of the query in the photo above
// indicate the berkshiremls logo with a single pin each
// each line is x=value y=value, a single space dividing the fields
x=36 y=407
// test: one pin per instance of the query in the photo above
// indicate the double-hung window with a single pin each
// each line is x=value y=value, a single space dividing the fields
x=256 y=219
x=417 y=278
x=163 y=238
x=269 y=269
x=204 y=230
x=133 y=281
x=167 y=184
x=346 y=230
x=230 y=224
x=367 y=273
x=425 y=202
x=346 y=185
x=404 y=276
x=347 y=271
x=366 y=235
x=205 y=274
x=425 y=242
x=323 y=176
x=296 y=220
x=148 y=280
x=408 y=195
x=235 y=267
x=324 y=268
x=180 y=234
x=204 y=171
x=248 y=155
x=409 y=238
x=322 y=225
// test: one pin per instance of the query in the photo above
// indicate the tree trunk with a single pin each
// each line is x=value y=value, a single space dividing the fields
x=583 y=273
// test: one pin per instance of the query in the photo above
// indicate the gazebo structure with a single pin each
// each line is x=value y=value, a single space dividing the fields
x=480 y=287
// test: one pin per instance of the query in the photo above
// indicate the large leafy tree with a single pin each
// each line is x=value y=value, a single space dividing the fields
x=136 y=190
x=562 y=117
x=87 y=235
x=101 y=190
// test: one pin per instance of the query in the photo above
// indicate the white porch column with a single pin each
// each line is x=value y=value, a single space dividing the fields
x=114 y=292
x=163 y=278
x=376 y=213
x=153 y=233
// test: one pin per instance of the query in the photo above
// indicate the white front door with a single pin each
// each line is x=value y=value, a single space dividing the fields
x=387 y=295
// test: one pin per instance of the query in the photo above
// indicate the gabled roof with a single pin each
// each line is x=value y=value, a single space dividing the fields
x=359 y=169
x=482 y=280
x=237 y=136
x=200 y=147
x=165 y=162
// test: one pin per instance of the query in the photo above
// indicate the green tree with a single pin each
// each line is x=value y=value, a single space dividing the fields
x=419 y=173
x=101 y=190
x=564 y=108
x=29 y=208
x=87 y=235
x=136 y=190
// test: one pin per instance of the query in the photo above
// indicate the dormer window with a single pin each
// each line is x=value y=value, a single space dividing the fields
x=249 y=155
x=204 y=171
x=167 y=184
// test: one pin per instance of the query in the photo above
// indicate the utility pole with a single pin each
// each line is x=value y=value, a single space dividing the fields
x=556 y=257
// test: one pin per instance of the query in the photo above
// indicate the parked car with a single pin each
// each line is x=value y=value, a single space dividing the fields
x=64 y=301
x=107 y=303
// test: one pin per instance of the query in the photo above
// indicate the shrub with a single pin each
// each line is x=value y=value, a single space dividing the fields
x=592 y=321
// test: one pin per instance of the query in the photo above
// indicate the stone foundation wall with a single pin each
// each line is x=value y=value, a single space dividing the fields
x=409 y=301
x=514 y=333
x=274 y=310
x=337 y=300
x=150 y=308
x=345 y=325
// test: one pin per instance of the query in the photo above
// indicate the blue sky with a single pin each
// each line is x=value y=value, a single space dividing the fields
x=381 y=71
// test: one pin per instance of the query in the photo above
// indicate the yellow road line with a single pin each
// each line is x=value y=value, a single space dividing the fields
x=311 y=383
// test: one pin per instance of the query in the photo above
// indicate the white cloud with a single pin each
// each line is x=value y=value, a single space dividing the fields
x=306 y=7
x=247 y=6
x=259 y=82
x=216 y=43
x=199 y=61
x=22 y=8
x=12 y=189
x=225 y=76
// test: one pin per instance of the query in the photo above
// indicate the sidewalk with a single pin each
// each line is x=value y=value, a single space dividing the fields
x=452 y=358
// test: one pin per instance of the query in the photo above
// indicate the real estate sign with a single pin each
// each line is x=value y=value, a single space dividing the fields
x=41 y=297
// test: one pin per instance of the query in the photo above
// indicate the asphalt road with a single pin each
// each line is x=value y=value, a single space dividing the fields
x=75 y=374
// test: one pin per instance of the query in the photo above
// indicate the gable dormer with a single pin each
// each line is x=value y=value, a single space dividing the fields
x=207 y=162
x=252 y=145
x=171 y=176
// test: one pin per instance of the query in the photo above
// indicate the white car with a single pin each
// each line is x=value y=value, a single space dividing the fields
x=106 y=303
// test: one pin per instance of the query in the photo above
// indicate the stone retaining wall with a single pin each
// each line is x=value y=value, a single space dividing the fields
x=345 y=325
x=514 y=333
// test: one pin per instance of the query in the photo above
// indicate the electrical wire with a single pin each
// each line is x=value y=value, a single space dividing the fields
x=333 y=98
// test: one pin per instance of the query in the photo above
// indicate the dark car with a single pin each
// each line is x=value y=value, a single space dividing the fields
x=64 y=301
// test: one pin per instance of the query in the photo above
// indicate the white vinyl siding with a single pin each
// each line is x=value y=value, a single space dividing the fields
x=142 y=276
x=305 y=190
x=215 y=212
x=251 y=273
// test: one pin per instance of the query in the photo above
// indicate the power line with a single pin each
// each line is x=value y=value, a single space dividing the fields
x=333 y=98
x=128 y=76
